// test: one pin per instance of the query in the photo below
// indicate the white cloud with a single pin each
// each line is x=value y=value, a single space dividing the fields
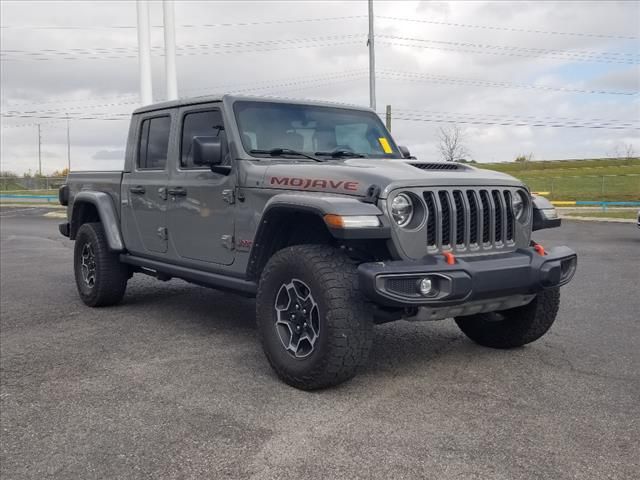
x=109 y=86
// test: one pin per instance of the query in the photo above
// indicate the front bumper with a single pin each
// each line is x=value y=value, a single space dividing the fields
x=469 y=279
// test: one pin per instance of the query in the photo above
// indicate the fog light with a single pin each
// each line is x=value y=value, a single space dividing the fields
x=425 y=286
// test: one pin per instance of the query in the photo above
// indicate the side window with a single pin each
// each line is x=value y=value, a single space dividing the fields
x=206 y=123
x=154 y=143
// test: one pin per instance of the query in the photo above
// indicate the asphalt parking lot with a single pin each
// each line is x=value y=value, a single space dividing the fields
x=172 y=383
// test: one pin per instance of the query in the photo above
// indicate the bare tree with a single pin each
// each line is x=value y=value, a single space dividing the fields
x=451 y=143
x=623 y=151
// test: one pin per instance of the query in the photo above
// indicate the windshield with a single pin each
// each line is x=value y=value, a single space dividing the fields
x=313 y=130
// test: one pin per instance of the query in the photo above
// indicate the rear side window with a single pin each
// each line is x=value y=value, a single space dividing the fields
x=198 y=124
x=154 y=143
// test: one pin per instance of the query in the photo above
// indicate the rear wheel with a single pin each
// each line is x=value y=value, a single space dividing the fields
x=515 y=327
x=312 y=320
x=100 y=276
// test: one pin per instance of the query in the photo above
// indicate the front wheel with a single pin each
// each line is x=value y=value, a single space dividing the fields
x=313 y=323
x=514 y=327
x=100 y=276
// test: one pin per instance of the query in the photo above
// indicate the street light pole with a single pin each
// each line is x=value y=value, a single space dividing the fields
x=372 y=60
x=39 y=153
x=68 y=147
x=170 y=49
x=144 y=53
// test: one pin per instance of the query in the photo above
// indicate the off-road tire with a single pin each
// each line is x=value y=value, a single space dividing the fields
x=515 y=327
x=110 y=277
x=346 y=328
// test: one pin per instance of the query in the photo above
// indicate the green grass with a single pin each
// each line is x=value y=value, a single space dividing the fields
x=30 y=192
x=628 y=214
x=597 y=179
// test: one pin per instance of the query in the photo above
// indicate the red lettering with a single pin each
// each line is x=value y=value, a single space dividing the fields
x=336 y=185
x=279 y=181
x=319 y=183
x=296 y=182
x=353 y=186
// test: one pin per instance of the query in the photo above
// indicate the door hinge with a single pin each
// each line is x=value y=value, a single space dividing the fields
x=162 y=233
x=229 y=196
x=227 y=241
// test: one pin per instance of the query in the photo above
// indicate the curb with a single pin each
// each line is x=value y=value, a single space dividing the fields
x=601 y=219
x=33 y=205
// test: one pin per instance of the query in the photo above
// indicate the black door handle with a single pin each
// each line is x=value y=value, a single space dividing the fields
x=177 y=191
x=137 y=189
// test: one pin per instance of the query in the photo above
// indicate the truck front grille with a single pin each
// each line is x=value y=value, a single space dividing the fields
x=463 y=219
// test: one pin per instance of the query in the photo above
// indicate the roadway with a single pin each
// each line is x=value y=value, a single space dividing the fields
x=173 y=383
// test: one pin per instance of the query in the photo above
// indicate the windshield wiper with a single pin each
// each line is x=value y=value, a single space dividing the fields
x=278 y=152
x=340 y=154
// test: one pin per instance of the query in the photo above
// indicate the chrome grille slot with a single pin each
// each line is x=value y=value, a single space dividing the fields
x=471 y=219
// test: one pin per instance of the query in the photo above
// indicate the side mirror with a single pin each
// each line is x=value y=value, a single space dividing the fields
x=206 y=150
x=210 y=151
x=405 y=152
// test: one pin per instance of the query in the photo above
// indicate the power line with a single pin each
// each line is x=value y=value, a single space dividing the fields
x=511 y=29
x=450 y=117
x=540 y=51
x=225 y=52
x=498 y=53
x=430 y=78
x=247 y=86
x=204 y=25
x=511 y=124
x=125 y=52
x=537 y=118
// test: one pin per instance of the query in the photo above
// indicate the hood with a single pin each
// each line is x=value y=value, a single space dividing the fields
x=355 y=176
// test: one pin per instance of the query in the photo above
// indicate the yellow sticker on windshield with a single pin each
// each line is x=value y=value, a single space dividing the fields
x=384 y=143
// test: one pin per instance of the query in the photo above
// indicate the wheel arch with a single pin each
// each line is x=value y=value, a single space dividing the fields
x=283 y=226
x=93 y=207
x=296 y=218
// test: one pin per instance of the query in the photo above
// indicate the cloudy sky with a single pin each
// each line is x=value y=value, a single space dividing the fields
x=519 y=77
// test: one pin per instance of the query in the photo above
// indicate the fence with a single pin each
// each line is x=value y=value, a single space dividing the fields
x=31 y=185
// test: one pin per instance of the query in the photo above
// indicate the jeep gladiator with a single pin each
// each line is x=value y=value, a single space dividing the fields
x=314 y=210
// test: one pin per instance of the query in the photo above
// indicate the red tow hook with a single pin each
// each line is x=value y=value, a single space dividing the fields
x=449 y=258
x=539 y=248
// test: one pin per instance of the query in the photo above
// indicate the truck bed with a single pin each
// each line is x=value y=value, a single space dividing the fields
x=104 y=181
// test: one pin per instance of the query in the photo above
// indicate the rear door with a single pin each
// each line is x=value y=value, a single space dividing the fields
x=200 y=206
x=144 y=189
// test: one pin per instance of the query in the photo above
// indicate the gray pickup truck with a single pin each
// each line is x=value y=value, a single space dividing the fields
x=313 y=209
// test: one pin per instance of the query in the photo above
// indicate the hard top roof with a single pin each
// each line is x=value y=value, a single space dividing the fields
x=218 y=98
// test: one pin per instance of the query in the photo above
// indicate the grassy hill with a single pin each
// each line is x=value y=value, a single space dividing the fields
x=596 y=179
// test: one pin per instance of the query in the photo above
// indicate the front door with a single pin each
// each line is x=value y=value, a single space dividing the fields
x=200 y=205
x=144 y=189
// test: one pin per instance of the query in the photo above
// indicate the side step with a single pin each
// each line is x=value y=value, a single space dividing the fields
x=206 y=279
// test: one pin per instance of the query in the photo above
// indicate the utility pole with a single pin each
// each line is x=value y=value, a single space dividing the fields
x=372 y=60
x=388 y=118
x=68 y=147
x=144 y=53
x=39 y=152
x=170 y=49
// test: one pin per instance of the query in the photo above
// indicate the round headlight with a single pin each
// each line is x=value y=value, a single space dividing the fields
x=402 y=209
x=518 y=204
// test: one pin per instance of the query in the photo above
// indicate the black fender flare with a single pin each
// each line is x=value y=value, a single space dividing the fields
x=319 y=205
x=107 y=213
